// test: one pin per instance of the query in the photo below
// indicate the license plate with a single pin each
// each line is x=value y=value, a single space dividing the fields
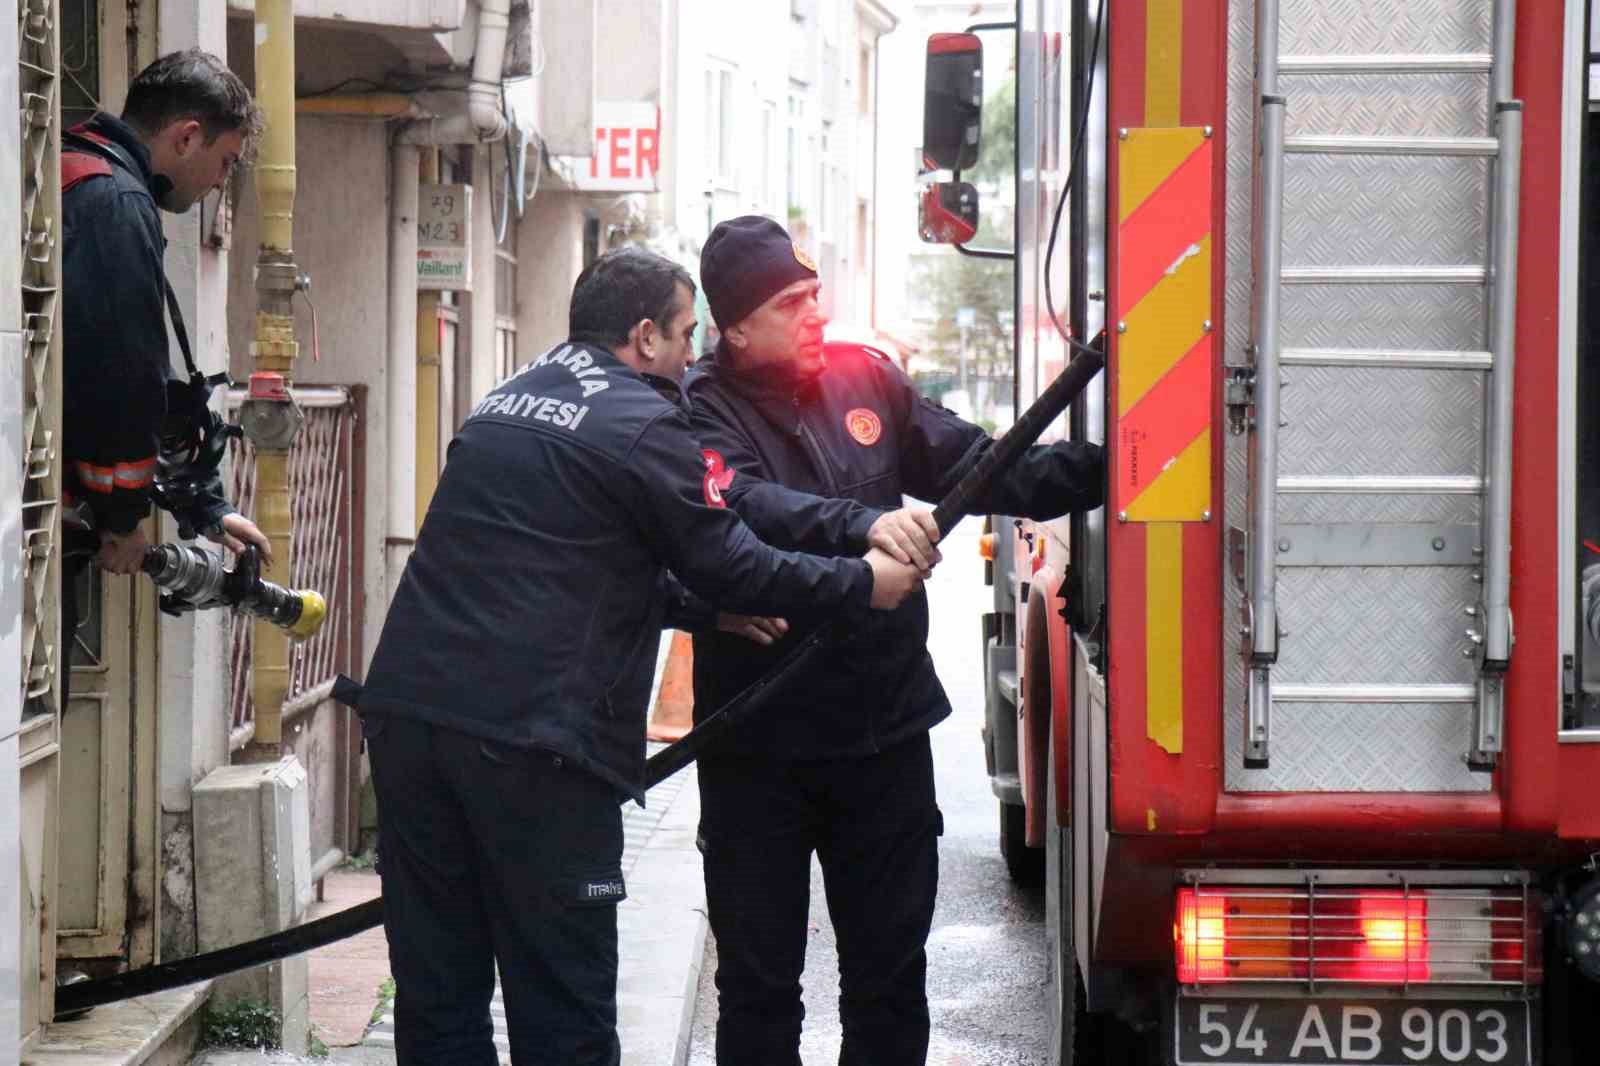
x=1341 y=1032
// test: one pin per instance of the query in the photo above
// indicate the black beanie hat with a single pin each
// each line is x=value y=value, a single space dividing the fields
x=745 y=262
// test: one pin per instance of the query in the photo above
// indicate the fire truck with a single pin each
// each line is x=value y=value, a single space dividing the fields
x=1304 y=722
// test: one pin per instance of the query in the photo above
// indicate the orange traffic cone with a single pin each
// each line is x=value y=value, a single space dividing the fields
x=673 y=714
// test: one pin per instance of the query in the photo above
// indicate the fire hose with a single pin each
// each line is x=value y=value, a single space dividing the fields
x=352 y=920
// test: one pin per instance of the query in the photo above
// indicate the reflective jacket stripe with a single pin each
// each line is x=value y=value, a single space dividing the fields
x=136 y=475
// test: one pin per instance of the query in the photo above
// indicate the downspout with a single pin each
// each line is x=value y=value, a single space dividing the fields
x=484 y=119
x=270 y=418
x=488 y=60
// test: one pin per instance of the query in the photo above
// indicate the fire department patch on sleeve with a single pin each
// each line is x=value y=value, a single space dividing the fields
x=718 y=478
x=864 y=425
x=599 y=891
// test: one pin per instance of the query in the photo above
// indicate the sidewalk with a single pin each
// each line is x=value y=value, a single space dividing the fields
x=661 y=933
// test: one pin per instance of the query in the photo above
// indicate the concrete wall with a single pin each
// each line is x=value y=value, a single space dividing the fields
x=191 y=655
x=314 y=737
x=568 y=84
x=550 y=251
x=341 y=239
x=631 y=32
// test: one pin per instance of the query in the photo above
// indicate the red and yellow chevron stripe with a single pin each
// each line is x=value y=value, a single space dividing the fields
x=1163 y=371
x=1166 y=118
x=1163 y=324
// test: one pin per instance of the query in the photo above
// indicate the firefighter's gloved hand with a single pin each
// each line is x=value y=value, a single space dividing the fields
x=892 y=580
x=122 y=553
x=909 y=535
x=763 y=631
x=237 y=531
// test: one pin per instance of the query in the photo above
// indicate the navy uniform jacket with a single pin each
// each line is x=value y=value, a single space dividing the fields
x=115 y=361
x=811 y=465
x=531 y=608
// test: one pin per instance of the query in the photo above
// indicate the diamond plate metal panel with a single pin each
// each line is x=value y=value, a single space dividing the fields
x=1433 y=317
x=1344 y=420
x=1336 y=747
x=1387 y=105
x=1339 y=27
x=1374 y=625
x=1455 y=510
x=1345 y=210
x=1240 y=170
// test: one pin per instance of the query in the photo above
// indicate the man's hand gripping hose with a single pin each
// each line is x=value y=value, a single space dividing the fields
x=1055 y=399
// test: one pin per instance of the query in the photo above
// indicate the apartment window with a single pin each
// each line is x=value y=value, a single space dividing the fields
x=769 y=176
x=797 y=117
x=719 y=122
x=825 y=206
x=505 y=306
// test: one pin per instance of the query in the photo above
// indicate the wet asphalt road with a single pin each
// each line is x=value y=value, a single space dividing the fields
x=986 y=954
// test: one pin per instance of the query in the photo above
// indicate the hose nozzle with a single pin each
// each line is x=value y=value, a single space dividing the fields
x=195 y=579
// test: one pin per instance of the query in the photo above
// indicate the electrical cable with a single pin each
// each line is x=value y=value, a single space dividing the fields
x=1073 y=165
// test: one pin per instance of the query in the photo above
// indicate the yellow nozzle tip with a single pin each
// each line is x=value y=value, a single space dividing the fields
x=313 y=612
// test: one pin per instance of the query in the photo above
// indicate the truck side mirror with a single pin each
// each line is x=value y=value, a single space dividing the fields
x=952 y=100
x=947 y=212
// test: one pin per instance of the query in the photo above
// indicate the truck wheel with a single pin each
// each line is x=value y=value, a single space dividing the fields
x=1071 y=1026
x=1570 y=1003
x=1024 y=864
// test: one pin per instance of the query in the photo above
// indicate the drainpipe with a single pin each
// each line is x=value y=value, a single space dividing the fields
x=269 y=417
x=400 y=372
x=483 y=119
x=488 y=59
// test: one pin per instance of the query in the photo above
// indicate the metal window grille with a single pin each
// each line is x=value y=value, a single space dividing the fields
x=41 y=405
x=38 y=84
x=322 y=489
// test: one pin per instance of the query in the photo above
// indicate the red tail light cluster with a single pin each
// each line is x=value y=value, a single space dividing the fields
x=1376 y=936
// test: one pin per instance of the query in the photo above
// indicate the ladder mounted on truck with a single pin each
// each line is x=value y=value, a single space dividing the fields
x=1401 y=523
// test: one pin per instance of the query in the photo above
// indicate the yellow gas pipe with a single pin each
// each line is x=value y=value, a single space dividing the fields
x=429 y=355
x=275 y=348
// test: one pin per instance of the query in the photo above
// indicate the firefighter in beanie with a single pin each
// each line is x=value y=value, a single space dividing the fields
x=815 y=445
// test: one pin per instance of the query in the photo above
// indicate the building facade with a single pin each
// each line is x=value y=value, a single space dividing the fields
x=436 y=257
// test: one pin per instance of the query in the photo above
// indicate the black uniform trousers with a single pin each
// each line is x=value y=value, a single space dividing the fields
x=491 y=854
x=874 y=824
